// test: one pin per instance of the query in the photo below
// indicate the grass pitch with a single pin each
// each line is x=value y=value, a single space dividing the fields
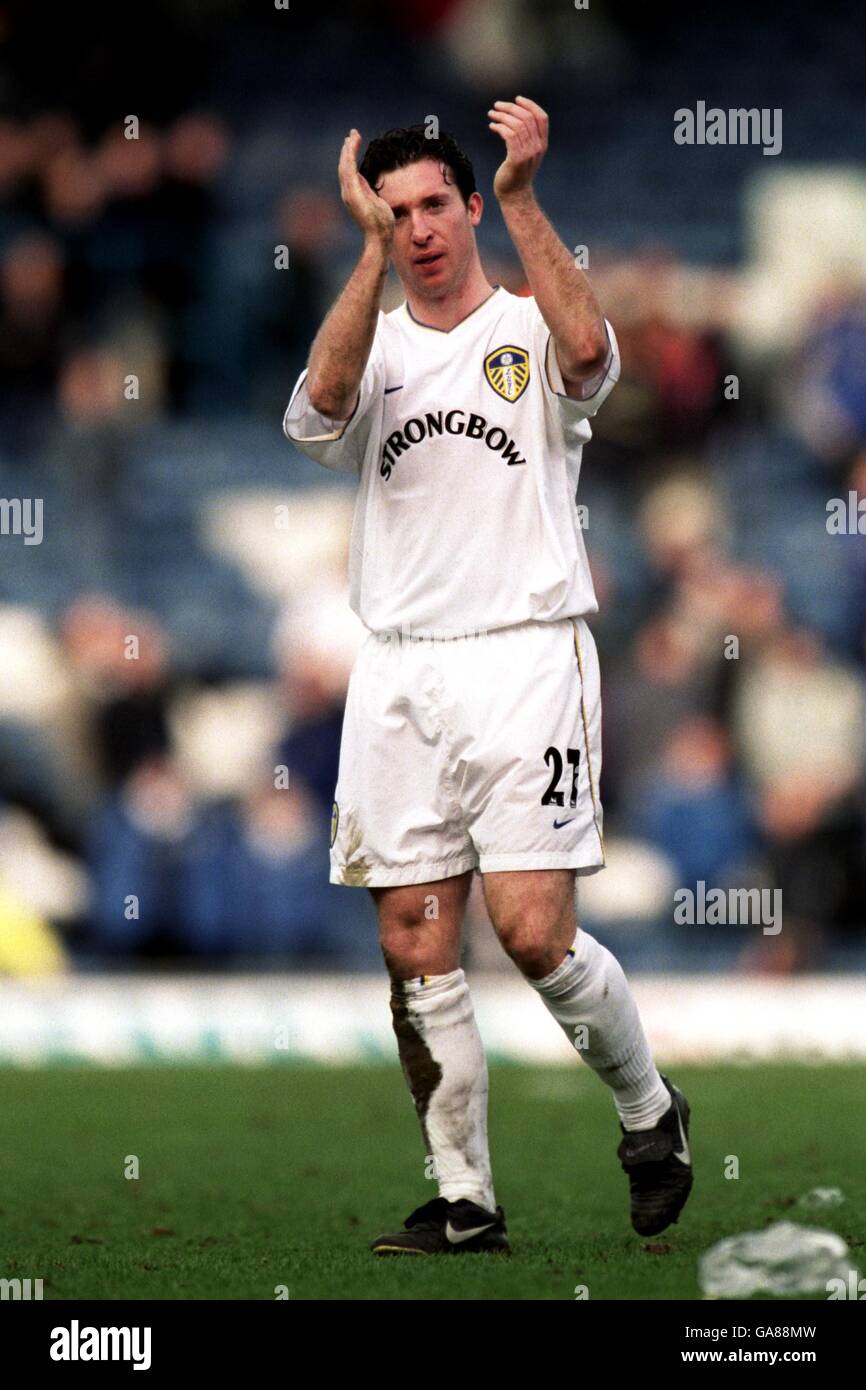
x=255 y=1178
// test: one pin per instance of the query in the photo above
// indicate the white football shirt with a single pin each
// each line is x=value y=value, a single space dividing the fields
x=468 y=455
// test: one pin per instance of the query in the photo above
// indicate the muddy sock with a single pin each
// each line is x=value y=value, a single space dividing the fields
x=444 y=1064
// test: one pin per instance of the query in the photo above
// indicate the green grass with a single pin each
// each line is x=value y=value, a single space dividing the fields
x=251 y=1178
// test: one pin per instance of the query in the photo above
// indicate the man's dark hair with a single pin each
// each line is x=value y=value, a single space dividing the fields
x=407 y=145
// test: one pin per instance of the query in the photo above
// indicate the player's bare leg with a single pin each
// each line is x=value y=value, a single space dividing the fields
x=421 y=926
x=583 y=986
x=534 y=916
x=420 y=931
x=586 y=991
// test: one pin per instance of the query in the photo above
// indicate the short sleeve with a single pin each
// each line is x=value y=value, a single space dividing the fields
x=595 y=390
x=336 y=444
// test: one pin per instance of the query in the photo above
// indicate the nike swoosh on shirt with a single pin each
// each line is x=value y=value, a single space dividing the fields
x=457 y=1237
x=389 y=389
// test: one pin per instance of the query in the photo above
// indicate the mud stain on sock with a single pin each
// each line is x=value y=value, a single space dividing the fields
x=423 y=1073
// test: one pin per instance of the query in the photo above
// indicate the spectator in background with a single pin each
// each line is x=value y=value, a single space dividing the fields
x=652 y=687
x=289 y=306
x=827 y=401
x=137 y=851
x=253 y=881
x=697 y=811
x=31 y=331
x=315 y=646
x=682 y=364
x=734 y=612
x=800 y=727
x=84 y=454
x=674 y=666
x=16 y=163
x=684 y=527
x=175 y=265
x=131 y=171
x=74 y=192
x=225 y=883
x=121 y=660
x=671 y=383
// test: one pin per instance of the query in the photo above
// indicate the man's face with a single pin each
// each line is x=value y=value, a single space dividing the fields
x=434 y=237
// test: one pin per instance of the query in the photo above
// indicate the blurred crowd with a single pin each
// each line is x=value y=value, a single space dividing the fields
x=107 y=267
x=167 y=798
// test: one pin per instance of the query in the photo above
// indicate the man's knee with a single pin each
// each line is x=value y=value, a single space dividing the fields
x=422 y=908
x=534 y=920
x=529 y=940
x=420 y=927
x=407 y=949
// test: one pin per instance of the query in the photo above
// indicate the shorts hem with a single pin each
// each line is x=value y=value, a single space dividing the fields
x=562 y=859
x=408 y=874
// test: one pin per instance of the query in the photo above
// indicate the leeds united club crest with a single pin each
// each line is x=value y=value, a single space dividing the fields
x=507 y=370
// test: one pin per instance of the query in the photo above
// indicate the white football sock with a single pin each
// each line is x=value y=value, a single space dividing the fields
x=589 y=988
x=444 y=1064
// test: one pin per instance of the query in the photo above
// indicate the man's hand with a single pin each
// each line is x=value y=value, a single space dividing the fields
x=371 y=212
x=523 y=126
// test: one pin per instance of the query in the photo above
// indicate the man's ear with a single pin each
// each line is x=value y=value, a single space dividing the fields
x=475 y=207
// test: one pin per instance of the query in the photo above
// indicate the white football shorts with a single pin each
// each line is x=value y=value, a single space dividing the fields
x=474 y=752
